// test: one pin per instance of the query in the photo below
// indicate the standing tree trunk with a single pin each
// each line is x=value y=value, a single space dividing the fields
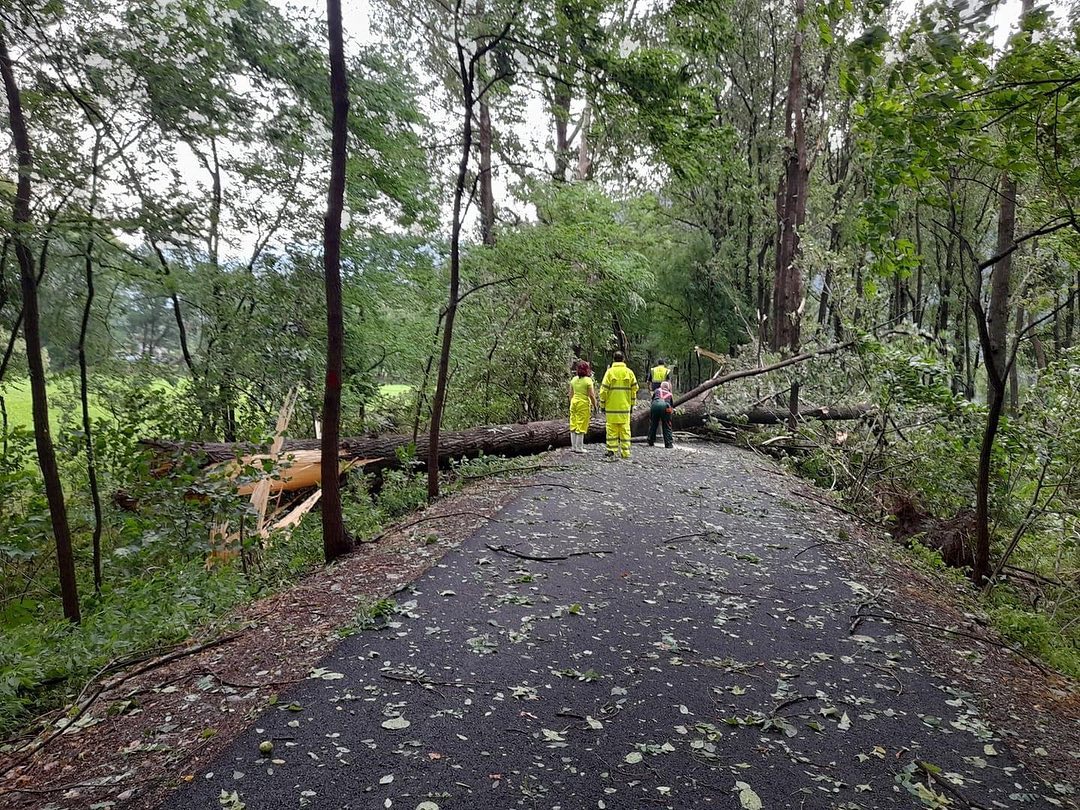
x=466 y=74
x=993 y=334
x=560 y=102
x=54 y=493
x=84 y=399
x=584 y=163
x=487 y=194
x=84 y=381
x=918 y=307
x=994 y=337
x=1070 y=313
x=1014 y=368
x=791 y=206
x=335 y=541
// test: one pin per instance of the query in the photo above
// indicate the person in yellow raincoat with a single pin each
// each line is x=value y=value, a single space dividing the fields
x=658 y=374
x=582 y=401
x=617 y=394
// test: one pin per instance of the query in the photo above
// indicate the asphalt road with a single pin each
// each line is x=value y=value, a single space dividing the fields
x=694 y=650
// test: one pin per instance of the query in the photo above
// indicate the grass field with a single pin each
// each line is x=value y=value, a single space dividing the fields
x=62 y=395
x=394 y=390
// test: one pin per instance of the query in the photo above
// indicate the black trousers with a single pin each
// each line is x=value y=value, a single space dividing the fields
x=660 y=414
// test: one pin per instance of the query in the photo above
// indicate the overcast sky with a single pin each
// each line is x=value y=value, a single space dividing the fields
x=357 y=15
x=537 y=122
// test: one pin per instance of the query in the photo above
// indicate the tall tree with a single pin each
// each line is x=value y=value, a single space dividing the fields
x=972 y=136
x=791 y=205
x=84 y=369
x=994 y=337
x=54 y=492
x=335 y=541
x=471 y=41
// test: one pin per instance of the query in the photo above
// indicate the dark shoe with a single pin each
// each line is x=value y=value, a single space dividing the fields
x=668 y=446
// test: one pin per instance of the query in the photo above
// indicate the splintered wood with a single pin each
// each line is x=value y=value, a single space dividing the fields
x=282 y=472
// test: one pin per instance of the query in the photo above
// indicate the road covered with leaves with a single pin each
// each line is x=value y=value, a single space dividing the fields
x=680 y=632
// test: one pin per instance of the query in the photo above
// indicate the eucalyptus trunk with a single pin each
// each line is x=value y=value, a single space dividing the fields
x=487 y=193
x=791 y=206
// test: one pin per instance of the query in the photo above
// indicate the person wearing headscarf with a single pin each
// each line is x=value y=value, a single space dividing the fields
x=660 y=413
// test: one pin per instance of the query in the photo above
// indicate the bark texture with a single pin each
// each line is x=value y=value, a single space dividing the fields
x=54 y=492
x=994 y=338
x=487 y=193
x=791 y=206
x=335 y=541
x=467 y=75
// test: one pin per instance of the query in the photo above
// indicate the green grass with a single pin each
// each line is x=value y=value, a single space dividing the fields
x=394 y=390
x=61 y=395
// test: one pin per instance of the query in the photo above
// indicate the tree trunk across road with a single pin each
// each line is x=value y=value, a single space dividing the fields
x=381 y=452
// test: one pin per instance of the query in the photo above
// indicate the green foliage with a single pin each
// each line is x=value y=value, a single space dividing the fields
x=1038 y=632
x=371 y=615
x=200 y=210
x=367 y=511
x=920 y=452
x=44 y=660
x=928 y=557
x=554 y=285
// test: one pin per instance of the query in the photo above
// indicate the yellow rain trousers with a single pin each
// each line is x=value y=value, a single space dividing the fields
x=617 y=394
x=580 y=407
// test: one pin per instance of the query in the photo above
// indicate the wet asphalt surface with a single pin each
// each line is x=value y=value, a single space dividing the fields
x=671 y=671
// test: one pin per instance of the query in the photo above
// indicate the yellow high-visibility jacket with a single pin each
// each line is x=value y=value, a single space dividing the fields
x=659 y=373
x=618 y=390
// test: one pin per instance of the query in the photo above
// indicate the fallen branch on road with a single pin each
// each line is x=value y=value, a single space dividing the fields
x=553 y=558
x=934 y=773
x=682 y=538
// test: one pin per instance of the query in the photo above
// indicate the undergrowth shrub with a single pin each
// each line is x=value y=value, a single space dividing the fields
x=913 y=463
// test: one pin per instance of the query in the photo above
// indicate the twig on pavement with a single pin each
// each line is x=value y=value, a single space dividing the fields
x=552 y=558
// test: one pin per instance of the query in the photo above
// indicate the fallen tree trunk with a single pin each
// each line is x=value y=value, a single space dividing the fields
x=694 y=415
x=381 y=452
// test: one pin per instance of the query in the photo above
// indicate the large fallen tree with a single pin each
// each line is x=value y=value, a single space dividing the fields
x=381 y=452
x=375 y=453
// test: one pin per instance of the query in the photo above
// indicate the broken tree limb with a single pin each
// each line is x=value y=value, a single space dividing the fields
x=88 y=696
x=693 y=393
x=695 y=414
x=292 y=470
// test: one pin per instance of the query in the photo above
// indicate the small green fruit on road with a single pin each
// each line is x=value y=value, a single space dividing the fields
x=266 y=747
